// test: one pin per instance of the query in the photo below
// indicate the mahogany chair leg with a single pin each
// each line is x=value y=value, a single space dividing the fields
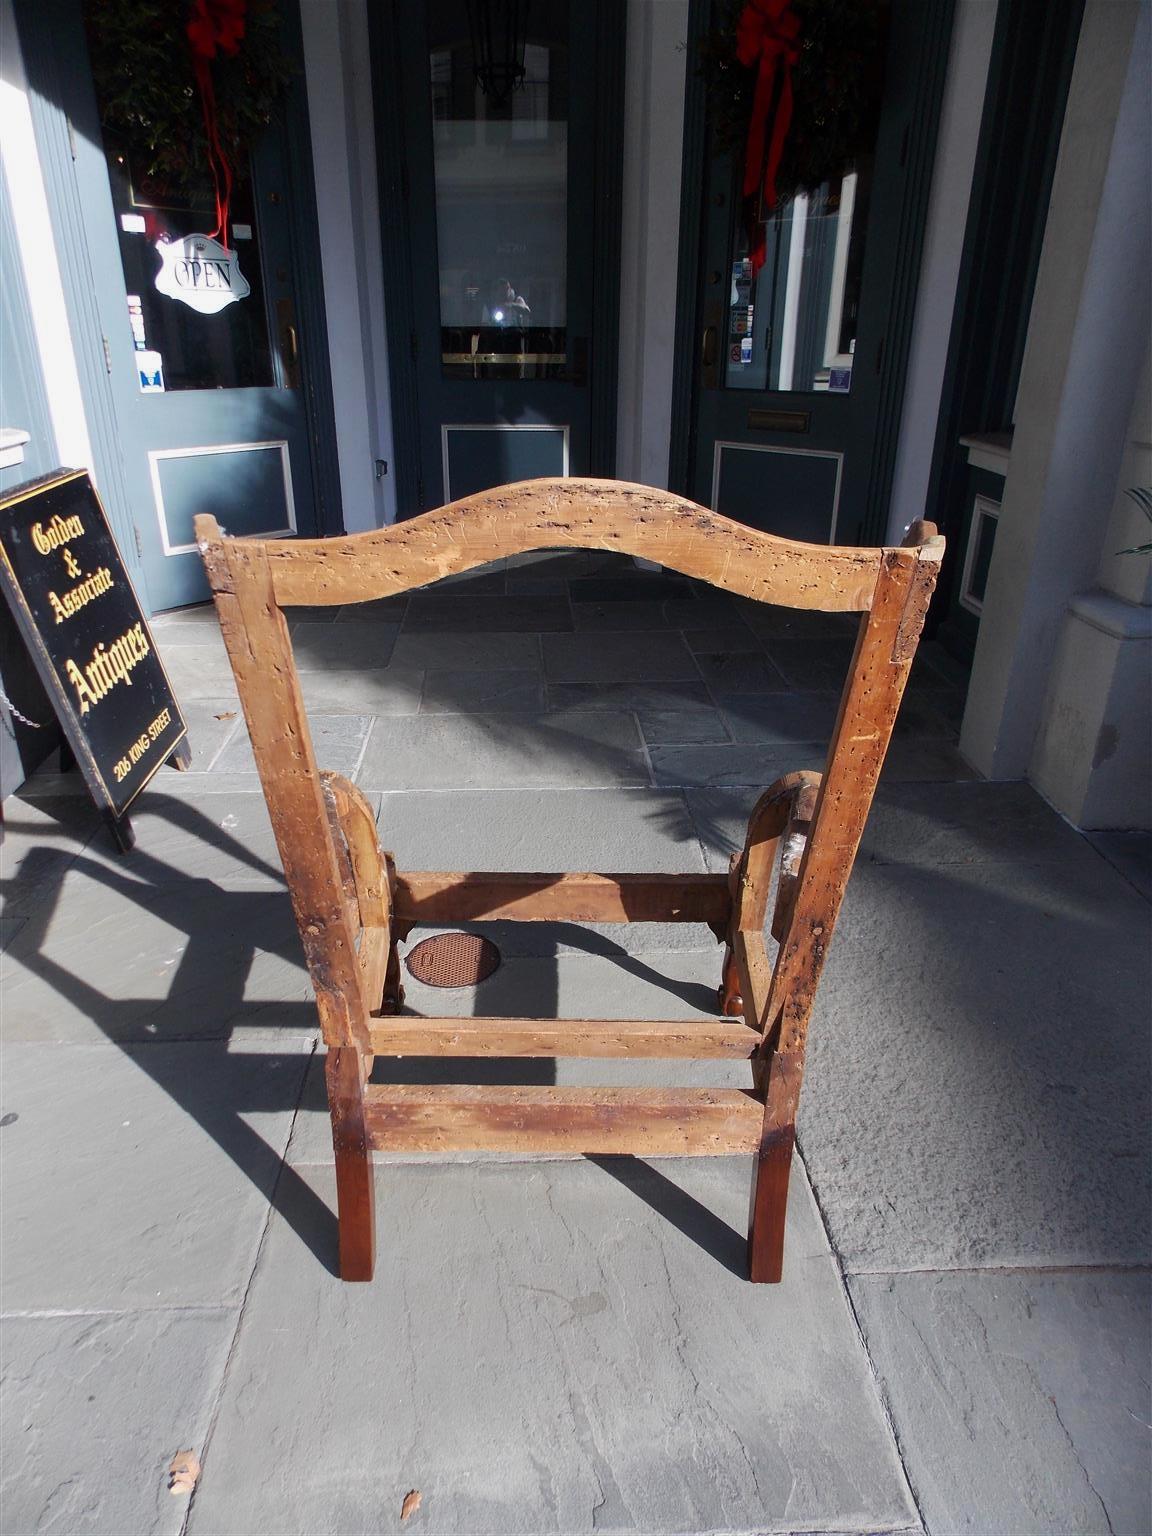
x=769 y=1206
x=729 y=1001
x=355 y=1178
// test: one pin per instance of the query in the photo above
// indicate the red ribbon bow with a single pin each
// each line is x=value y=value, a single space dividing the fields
x=215 y=26
x=766 y=34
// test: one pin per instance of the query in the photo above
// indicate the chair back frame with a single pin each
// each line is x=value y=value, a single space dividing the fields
x=353 y=907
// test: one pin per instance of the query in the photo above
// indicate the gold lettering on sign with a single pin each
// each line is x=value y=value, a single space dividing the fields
x=75 y=599
x=61 y=530
x=109 y=665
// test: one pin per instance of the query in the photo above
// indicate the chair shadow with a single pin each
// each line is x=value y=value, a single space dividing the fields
x=680 y=1209
x=226 y=929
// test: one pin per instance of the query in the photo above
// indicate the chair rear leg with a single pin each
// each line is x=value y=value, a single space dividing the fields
x=769 y=1206
x=355 y=1179
x=769 y=1203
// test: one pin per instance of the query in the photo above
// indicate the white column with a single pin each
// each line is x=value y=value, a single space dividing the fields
x=960 y=115
x=1087 y=340
x=340 y=108
x=655 y=67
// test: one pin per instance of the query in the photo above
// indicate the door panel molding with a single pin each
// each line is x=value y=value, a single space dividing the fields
x=805 y=453
x=156 y=456
x=556 y=429
x=929 y=28
x=46 y=39
x=405 y=164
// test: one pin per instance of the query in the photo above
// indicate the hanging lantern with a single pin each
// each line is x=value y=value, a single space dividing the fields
x=499 y=30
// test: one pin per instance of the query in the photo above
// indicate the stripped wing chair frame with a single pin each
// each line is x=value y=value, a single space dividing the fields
x=353 y=906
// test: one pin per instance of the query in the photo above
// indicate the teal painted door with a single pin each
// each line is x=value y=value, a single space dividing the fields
x=798 y=371
x=503 y=135
x=203 y=347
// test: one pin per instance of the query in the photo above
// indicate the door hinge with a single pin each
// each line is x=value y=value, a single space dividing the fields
x=139 y=542
x=412 y=344
x=71 y=137
x=107 y=355
x=880 y=353
x=381 y=468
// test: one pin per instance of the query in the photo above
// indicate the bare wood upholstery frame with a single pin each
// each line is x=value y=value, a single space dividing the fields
x=353 y=907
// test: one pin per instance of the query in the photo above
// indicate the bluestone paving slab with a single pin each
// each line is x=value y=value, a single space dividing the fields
x=382 y=610
x=471 y=652
x=702 y=767
x=739 y=672
x=140 y=1177
x=545 y=939
x=815 y=663
x=972 y=823
x=524 y=750
x=200 y=671
x=391 y=690
x=466 y=691
x=560 y=1347
x=1020 y=1401
x=772 y=718
x=641 y=616
x=117 y=958
x=186 y=830
x=198 y=613
x=720 y=640
x=1130 y=853
x=795 y=623
x=660 y=727
x=649 y=586
x=612 y=658
x=95 y=1408
x=344 y=647
x=210 y=723
x=612 y=830
x=442 y=611
x=337 y=741
x=977 y=1090
x=683 y=695
x=40 y=838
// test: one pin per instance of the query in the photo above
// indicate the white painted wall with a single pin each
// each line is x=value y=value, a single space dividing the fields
x=656 y=62
x=1086 y=346
x=960 y=114
x=339 y=79
x=37 y=255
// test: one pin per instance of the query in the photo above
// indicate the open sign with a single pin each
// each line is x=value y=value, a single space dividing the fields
x=201 y=273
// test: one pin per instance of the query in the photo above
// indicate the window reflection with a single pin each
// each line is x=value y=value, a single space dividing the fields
x=178 y=348
x=501 y=162
x=793 y=328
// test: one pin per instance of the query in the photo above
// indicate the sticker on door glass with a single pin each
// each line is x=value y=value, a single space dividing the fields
x=151 y=367
x=201 y=273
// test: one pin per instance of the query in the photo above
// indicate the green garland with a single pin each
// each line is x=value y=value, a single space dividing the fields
x=145 y=85
x=837 y=85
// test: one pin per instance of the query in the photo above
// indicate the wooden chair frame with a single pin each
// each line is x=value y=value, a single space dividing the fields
x=353 y=907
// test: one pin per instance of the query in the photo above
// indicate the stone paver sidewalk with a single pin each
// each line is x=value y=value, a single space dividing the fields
x=961 y=1340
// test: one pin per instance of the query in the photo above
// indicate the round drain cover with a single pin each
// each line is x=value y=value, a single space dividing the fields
x=453 y=959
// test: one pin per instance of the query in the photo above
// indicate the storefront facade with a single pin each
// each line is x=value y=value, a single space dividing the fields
x=431 y=284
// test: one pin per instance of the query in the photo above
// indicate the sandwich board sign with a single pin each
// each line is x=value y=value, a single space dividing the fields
x=81 y=620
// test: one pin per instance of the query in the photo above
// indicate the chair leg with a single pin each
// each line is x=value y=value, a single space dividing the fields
x=355 y=1181
x=769 y=1206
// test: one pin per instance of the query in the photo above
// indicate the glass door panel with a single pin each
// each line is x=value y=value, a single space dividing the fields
x=498 y=73
x=793 y=327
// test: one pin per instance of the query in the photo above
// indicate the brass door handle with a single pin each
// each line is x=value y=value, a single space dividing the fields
x=292 y=345
x=708 y=347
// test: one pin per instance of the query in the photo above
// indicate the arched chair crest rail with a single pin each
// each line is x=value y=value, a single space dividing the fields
x=353 y=906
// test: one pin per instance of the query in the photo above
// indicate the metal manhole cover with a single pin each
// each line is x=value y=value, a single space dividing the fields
x=453 y=959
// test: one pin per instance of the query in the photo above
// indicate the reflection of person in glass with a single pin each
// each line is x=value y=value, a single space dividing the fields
x=506 y=307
